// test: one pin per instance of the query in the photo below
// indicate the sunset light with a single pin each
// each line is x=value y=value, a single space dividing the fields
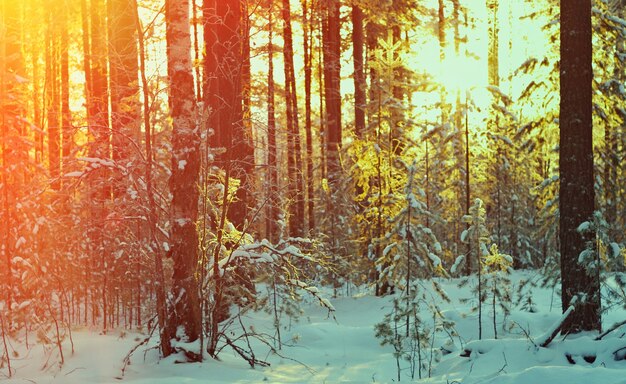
x=307 y=191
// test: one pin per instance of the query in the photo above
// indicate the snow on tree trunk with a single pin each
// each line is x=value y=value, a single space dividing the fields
x=185 y=318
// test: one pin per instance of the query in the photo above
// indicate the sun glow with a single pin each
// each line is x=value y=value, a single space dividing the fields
x=461 y=73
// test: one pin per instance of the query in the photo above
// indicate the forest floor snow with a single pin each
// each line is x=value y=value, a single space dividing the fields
x=326 y=350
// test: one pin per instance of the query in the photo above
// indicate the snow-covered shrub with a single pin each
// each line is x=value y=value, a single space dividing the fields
x=410 y=329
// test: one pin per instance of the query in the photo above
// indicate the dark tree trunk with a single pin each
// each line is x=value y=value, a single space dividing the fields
x=223 y=93
x=184 y=177
x=124 y=86
x=332 y=66
x=246 y=71
x=272 y=170
x=294 y=152
x=360 y=101
x=307 y=25
x=579 y=281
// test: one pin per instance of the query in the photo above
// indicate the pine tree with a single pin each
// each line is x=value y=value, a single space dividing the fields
x=579 y=282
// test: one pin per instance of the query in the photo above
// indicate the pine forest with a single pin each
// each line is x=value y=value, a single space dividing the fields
x=298 y=191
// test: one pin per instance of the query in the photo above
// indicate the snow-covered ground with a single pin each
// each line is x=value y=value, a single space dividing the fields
x=345 y=349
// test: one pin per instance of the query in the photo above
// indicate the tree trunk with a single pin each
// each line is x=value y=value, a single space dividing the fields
x=223 y=68
x=611 y=140
x=159 y=287
x=360 y=102
x=184 y=176
x=579 y=281
x=124 y=86
x=53 y=98
x=307 y=25
x=332 y=65
x=272 y=180
x=67 y=131
x=95 y=47
x=294 y=155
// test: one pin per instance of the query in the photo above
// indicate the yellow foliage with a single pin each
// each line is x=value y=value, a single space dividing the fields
x=496 y=261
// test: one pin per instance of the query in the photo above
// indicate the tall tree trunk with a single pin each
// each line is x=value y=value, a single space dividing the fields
x=183 y=181
x=579 y=281
x=322 y=73
x=458 y=138
x=196 y=48
x=164 y=330
x=294 y=155
x=34 y=37
x=95 y=48
x=332 y=64
x=307 y=25
x=53 y=98
x=611 y=139
x=360 y=101
x=272 y=180
x=468 y=187
x=246 y=71
x=124 y=86
x=223 y=69
x=67 y=132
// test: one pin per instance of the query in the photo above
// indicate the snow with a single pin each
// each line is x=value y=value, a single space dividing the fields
x=74 y=174
x=319 y=348
x=584 y=227
x=21 y=241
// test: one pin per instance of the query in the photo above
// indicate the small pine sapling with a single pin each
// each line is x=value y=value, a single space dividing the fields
x=411 y=248
x=414 y=342
x=409 y=344
x=477 y=236
x=497 y=268
x=525 y=295
x=609 y=258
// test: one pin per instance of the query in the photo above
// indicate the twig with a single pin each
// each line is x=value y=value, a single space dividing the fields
x=244 y=354
x=126 y=360
x=73 y=370
x=525 y=333
x=506 y=363
x=613 y=328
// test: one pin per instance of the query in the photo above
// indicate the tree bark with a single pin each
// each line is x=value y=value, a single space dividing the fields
x=272 y=180
x=579 y=282
x=307 y=26
x=124 y=86
x=294 y=152
x=360 y=101
x=184 y=176
x=159 y=287
x=332 y=65
x=223 y=93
